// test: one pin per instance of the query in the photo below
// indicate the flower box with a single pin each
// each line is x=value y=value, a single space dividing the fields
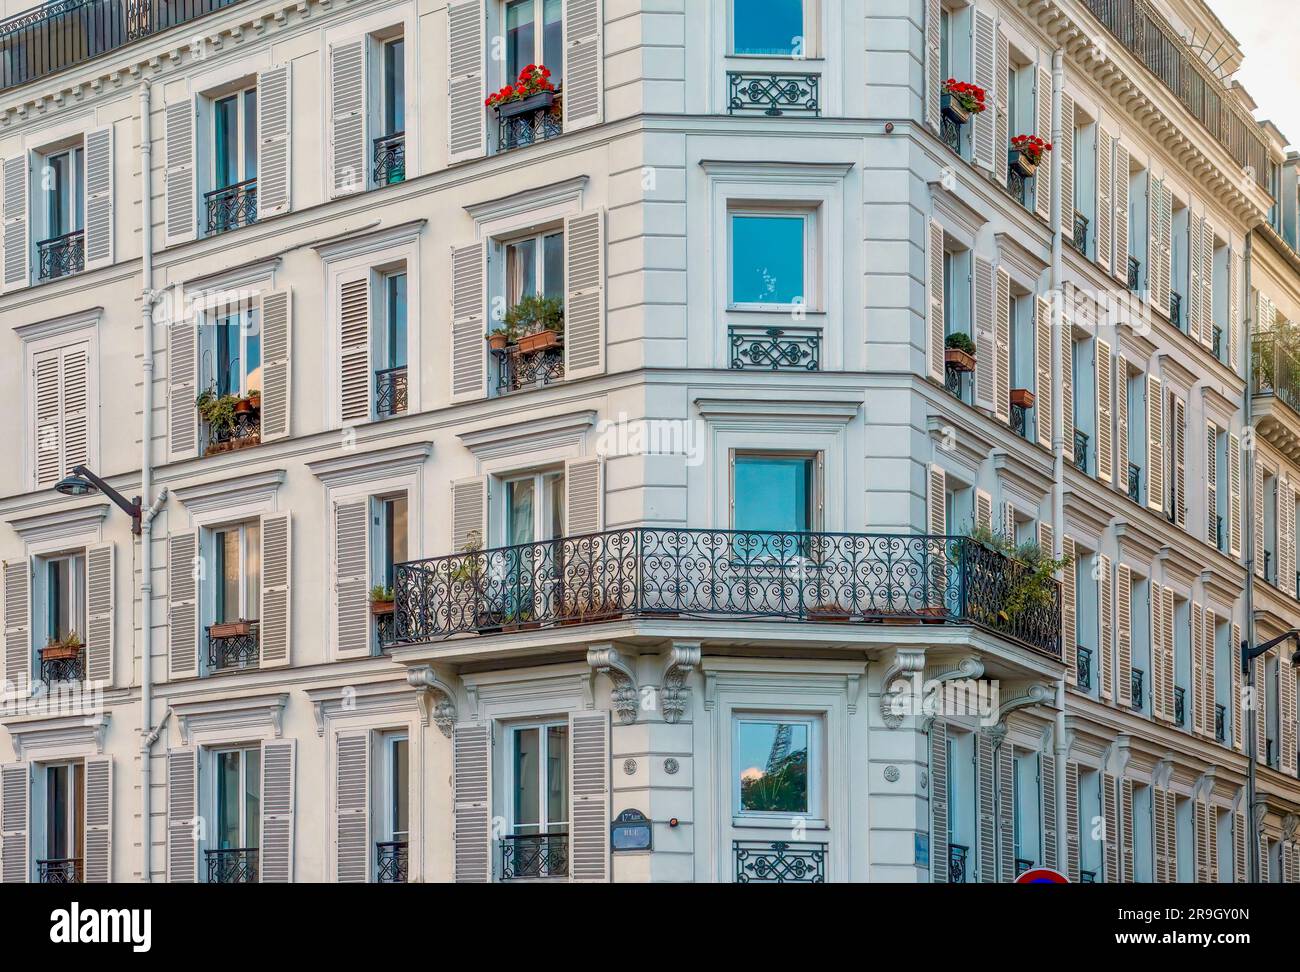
x=542 y=340
x=958 y=360
x=1020 y=162
x=525 y=106
x=953 y=109
x=1022 y=398
x=60 y=652
x=381 y=607
x=828 y=612
x=230 y=629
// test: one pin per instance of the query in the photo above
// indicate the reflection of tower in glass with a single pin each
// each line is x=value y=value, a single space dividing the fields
x=780 y=747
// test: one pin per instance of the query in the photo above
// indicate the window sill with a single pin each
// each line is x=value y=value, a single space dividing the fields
x=778 y=821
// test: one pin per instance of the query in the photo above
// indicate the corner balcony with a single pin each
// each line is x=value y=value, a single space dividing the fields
x=726 y=576
x=1275 y=387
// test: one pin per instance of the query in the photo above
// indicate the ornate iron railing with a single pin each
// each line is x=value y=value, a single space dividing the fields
x=1083 y=667
x=1176 y=310
x=390 y=862
x=950 y=130
x=516 y=131
x=65 y=870
x=1220 y=723
x=385 y=630
x=773 y=94
x=1023 y=865
x=390 y=392
x=1018 y=186
x=64 y=669
x=1275 y=364
x=958 y=855
x=1081 y=451
x=390 y=159
x=232 y=865
x=61 y=256
x=1136 y=677
x=234 y=651
x=1180 y=705
x=1218 y=532
x=1216 y=341
x=1087 y=877
x=534 y=856
x=245 y=430
x=779 y=862
x=775 y=348
x=1079 y=240
x=232 y=206
x=517 y=370
x=1020 y=420
x=1134 y=272
x=728 y=575
x=1134 y=482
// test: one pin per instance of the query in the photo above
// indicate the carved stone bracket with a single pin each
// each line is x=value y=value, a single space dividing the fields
x=907 y=661
x=605 y=660
x=682 y=658
x=1037 y=694
x=437 y=699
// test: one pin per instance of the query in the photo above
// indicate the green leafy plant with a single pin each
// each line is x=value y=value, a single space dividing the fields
x=218 y=411
x=1031 y=581
x=959 y=341
x=535 y=313
x=511 y=334
x=381 y=593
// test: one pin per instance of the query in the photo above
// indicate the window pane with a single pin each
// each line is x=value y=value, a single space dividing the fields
x=78 y=808
x=557 y=777
x=77 y=602
x=250 y=133
x=227 y=337
x=56 y=812
x=225 y=120
x=401 y=787
x=767 y=259
x=395 y=285
x=252 y=798
x=251 y=318
x=394 y=86
x=772 y=763
x=773 y=493
x=555 y=484
x=228 y=578
x=553 y=39
x=228 y=834
x=57 y=194
x=553 y=265
x=527 y=795
x=520 y=37
x=253 y=571
x=521 y=270
x=519 y=511
x=768 y=27
x=78 y=200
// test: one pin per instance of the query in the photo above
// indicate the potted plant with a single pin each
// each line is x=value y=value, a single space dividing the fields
x=1030 y=579
x=381 y=599
x=532 y=90
x=218 y=413
x=959 y=352
x=230 y=629
x=1027 y=152
x=539 y=322
x=961 y=99
x=828 y=612
x=1022 y=398
x=500 y=338
x=62 y=649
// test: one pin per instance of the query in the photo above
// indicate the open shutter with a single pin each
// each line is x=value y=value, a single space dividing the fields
x=1263 y=858
x=939 y=802
x=1234 y=311
x=17 y=242
x=1234 y=656
x=1067 y=385
x=936 y=505
x=1197 y=722
x=1212 y=483
x=1105 y=214
x=1043 y=370
x=466 y=70
x=1155 y=446
x=1201 y=840
x=1047 y=794
x=1234 y=496
x=1002 y=123
x=1006 y=813
x=1106 y=634
x=1164 y=245
x=1126 y=829
x=1286 y=717
x=933 y=64
x=583 y=497
x=986 y=356
x=986 y=809
x=182 y=388
x=183 y=825
x=347 y=142
x=1121 y=423
x=468 y=322
x=1072 y=821
x=1195 y=312
x=1240 y=849
x=277 y=595
x=1167 y=645
x=1261 y=709
x=277 y=389
x=584 y=294
x=1069 y=601
x=1124 y=634
x=1178 y=434
x=97 y=821
x=352 y=578
x=469 y=502
x=1207 y=301
x=583 y=64
x=1171 y=836
x=275 y=140
x=984 y=43
x=590 y=799
x=1105 y=396
x=182 y=606
x=275 y=856
x=1286 y=575
x=1160 y=835
x=1156 y=603
x=1259 y=517
x=934 y=325
x=1043 y=177
x=1110 y=820
x=471 y=747
x=1002 y=346
x=1066 y=148
x=98 y=216
x=352 y=808
x=1120 y=197
x=1207 y=673
x=983 y=510
x=179 y=187
x=15 y=822
x=354 y=347
x=99 y=613
x=18 y=624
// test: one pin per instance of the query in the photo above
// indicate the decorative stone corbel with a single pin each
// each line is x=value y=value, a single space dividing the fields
x=682 y=658
x=437 y=699
x=605 y=660
x=907 y=661
x=1036 y=694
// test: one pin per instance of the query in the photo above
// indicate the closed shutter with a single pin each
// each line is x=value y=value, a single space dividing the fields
x=1155 y=446
x=1006 y=813
x=983 y=510
x=1002 y=347
x=352 y=578
x=184 y=827
x=15 y=822
x=182 y=384
x=354 y=346
x=1043 y=370
x=179 y=188
x=469 y=500
x=1201 y=834
x=1286 y=698
x=1066 y=368
x=1043 y=177
x=1167 y=644
x=466 y=74
x=1261 y=709
x=1120 y=197
x=1197 y=722
x=275 y=140
x=17 y=243
x=1002 y=124
x=182 y=606
x=1121 y=423
x=1072 y=821
x=986 y=809
x=1234 y=496
x=1110 y=820
x=584 y=294
x=277 y=595
x=98 y=218
x=1259 y=518
x=275 y=856
x=471 y=747
x=583 y=64
x=1069 y=599
x=1105 y=396
x=1178 y=434
x=1047 y=794
x=277 y=388
x=352 y=808
x=1066 y=148
x=934 y=325
x=1286 y=575
x=1212 y=484
x=939 y=803
x=1240 y=849
x=1234 y=656
x=984 y=42
x=1160 y=835
x=1234 y=311
x=1126 y=829
x=1124 y=635
x=61 y=412
x=589 y=796
x=1105 y=205
x=18 y=625
x=468 y=322
x=99 y=613
x=933 y=64
x=986 y=357
x=76 y=406
x=347 y=142
x=1106 y=634
x=97 y=820
x=584 y=497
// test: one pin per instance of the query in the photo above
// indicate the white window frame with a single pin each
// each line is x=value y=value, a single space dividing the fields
x=811 y=35
x=208 y=313
x=41 y=593
x=210 y=773
x=538 y=236
x=40 y=843
x=545 y=481
x=811 y=296
x=75 y=150
x=818 y=459
x=238 y=91
x=51 y=336
x=539 y=54
x=208 y=545
x=387 y=765
x=512 y=732
x=815 y=723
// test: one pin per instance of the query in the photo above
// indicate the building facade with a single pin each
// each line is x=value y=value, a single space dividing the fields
x=729 y=460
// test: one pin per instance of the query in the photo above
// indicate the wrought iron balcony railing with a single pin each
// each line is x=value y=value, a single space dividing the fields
x=390 y=392
x=515 y=129
x=1275 y=364
x=1087 y=877
x=1180 y=705
x=231 y=207
x=775 y=348
x=1137 y=699
x=728 y=575
x=1079 y=239
x=1216 y=341
x=1020 y=420
x=61 y=256
x=390 y=159
x=1023 y=865
x=534 y=856
x=1134 y=483
x=390 y=862
x=244 y=430
x=66 y=870
x=235 y=651
x=958 y=854
x=1176 y=310
x=772 y=94
x=1083 y=667
x=232 y=865
x=779 y=862
x=517 y=370
x=385 y=630
x=64 y=669
x=1220 y=723
x=950 y=130
x=1134 y=272
x=1018 y=187
x=1081 y=451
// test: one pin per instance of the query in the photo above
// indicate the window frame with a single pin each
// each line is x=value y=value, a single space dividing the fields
x=543 y=826
x=811 y=279
x=75 y=153
x=248 y=594
x=383 y=559
x=44 y=607
x=388 y=101
x=388 y=794
x=239 y=92
x=815 y=485
x=538 y=237
x=539 y=41
x=546 y=481
x=213 y=775
x=815 y=813
x=212 y=317
x=811 y=24
x=75 y=823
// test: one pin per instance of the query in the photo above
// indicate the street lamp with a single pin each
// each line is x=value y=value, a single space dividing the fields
x=1248 y=655
x=82 y=482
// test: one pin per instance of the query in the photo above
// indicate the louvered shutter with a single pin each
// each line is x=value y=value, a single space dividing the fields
x=1124 y=635
x=1261 y=709
x=99 y=613
x=1171 y=837
x=1234 y=496
x=98 y=216
x=1067 y=386
x=1263 y=859
x=584 y=294
x=18 y=625
x=1126 y=830
x=1179 y=436
x=937 y=523
x=468 y=322
x=352 y=578
x=1047 y=794
x=1006 y=813
x=275 y=855
x=277 y=595
x=179 y=187
x=1110 y=818
x=1160 y=835
x=1044 y=537
x=1167 y=644
x=1259 y=518
x=469 y=503
x=76 y=406
x=467 y=70
x=1286 y=700
x=354 y=347
x=986 y=358
x=1234 y=655
x=15 y=822
x=17 y=242
x=1155 y=446
x=347 y=140
x=935 y=332
x=1208 y=673
x=1104 y=216
x=1207 y=293
x=583 y=64
x=1072 y=822
x=1193 y=302
x=936 y=505
x=182 y=606
x=1105 y=396
x=933 y=64
x=1009 y=521
x=1212 y=484
x=1164 y=251
x=983 y=510
x=183 y=825
x=1286 y=574
x=275 y=140
x=1120 y=195
x=1002 y=123
x=47 y=433
x=1197 y=722
x=1234 y=311
x=986 y=809
x=1069 y=630
x=1043 y=177
x=277 y=388
x=352 y=808
x=1212 y=834
x=984 y=44
x=1066 y=148
x=1106 y=617
x=182 y=387
x=589 y=801
x=1121 y=423
x=1043 y=370
x=939 y=802
x=471 y=746
x=584 y=497
x=97 y=820
x=1201 y=835
x=1002 y=346
x=1240 y=861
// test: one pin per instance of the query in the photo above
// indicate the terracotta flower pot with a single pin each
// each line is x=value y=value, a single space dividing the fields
x=244 y=406
x=498 y=342
x=230 y=629
x=1022 y=398
x=827 y=612
x=958 y=360
x=382 y=607
x=59 y=652
x=542 y=340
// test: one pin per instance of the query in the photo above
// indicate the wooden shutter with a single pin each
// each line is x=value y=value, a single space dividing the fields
x=275 y=856
x=277 y=594
x=589 y=801
x=1261 y=709
x=986 y=809
x=354 y=346
x=1171 y=836
x=98 y=217
x=1286 y=717
x=469 y=511
x=183 y=824
x=1104 y=216
x=1121 y=423
x=17 y=242
x=1167 y=644
x=275 y=140
x=1211 y=484
x=1263 y=858
x=1158 y=674
x=583 y=64
x=1044 y=537
x=352 y=808
x=97 y=820
x=1207 y=295
x=1155 y=446
x=1110 y=819
x=1208 y=672
x=1201 y=840
x=1259 y=517
x=584 y=294
x=1234 y=495
x=76 y=406
x=1043 y=177
x=1234 y=311
x=1121 y=200
x=1066 y=148
x=352 y=578
x=933 y=64
x=1072 y=821
x=1234 y=655
x=182 y=387
x=1194 y=311
x=935 y=332
x=468 y=322
x=1043 y=370
x=1197 y=700
x=1124 y=635
x=1286 y=575
x=61 y=393
x=936 y=501
x=1002 y=346
x=1106 y=634
x=471 y=747
x=348 y=156
x=99 y=613
x=583 y=497
x=18 y=625
x=467 y=71
x=1067 y=386
x=1006 y=813
x=1126 y=829
x=1178 y=434
x=1002 y=123
x=1240 y=849
x=939 y=802
x=277 y=389
x=1069 y=600
x=1164 y=246
x=1160 y=834
x=1047 y=795
x=15 y=822
x=179 y=186
x=986 y=356
x=182 y=606
x=1105 y=396
x=983 y=510
x=984 y=44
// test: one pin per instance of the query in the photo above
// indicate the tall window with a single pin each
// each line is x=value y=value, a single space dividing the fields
x=234 y=138
x=534 y=508
x=64 y=811
x=535 y=35
x=535 y=265
x=237 y=572
x=539 y=783
x=771 y=760
x=390 y=535
x=395 y=817
x=233 y=359
x=769 y=266
x=63 y=181
x=394 y=84
x=771 y=28
x=238 y=798
x=65 y=596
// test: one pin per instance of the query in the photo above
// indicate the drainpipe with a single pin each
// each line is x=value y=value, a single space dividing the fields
x=1058 y=413
x=1248 y=530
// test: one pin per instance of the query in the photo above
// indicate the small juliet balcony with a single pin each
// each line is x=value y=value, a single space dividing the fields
x=1081 y=451
x=1134 y=273
x=63 y=662
x=232 y=865
x=530 y=120
x=773 y=94
x=231 y=207
x=1083 y=668
x=61 y=256
x=779 y=862
x=533 y=361
x=1134 y=489
x=756 y=348
x=390 y=159
x=390 y=862
x=390 y=392
x=233 y=645
x=65 y=870
x=534 y=856
x=1079 y=238
x=231 y=421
